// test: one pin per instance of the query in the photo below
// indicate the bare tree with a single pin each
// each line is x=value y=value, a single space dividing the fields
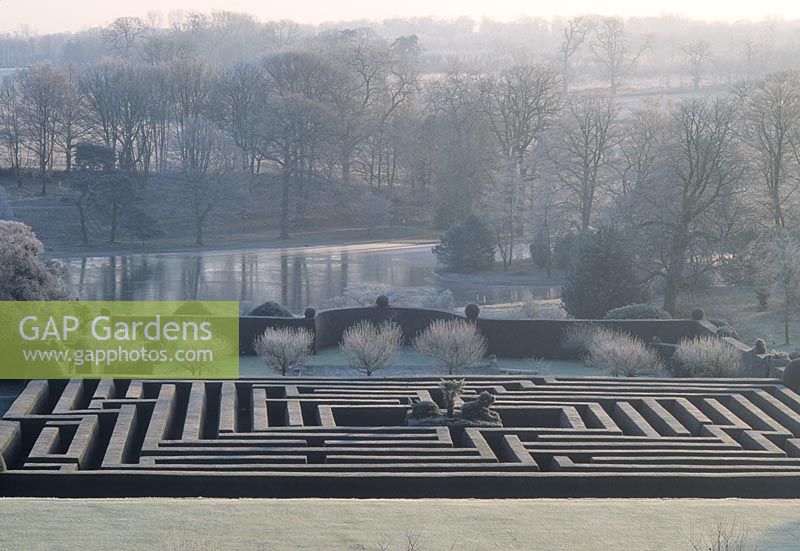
x=192 y=83
x=751 y=52
x=503 y=207
x=207 y=160
x=574 y=33
x=71 y=120
x=771 y=129
x=239 y=91
x=698 y=54
x=11 y=129
x=783 y=252
x=42 y=89
x=295 y=119
x=399 y=86
x=123 y=33
x=580 y=150
x=703 y=170
x=613 y=51
x=283 y=33
x=466 y=153
x=371 y=81
x=641 y=146
x=99 y=85
x=132 y=98
x=523 y=102
x=549 y=220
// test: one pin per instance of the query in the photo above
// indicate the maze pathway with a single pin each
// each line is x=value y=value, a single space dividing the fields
x=346 y=437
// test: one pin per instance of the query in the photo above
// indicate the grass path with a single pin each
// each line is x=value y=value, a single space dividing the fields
x=305 y=524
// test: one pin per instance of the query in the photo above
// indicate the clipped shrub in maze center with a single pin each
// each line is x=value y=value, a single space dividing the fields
x=451 y=390
x=474 y=413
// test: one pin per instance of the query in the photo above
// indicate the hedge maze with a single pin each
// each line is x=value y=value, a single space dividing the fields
x=303 y=437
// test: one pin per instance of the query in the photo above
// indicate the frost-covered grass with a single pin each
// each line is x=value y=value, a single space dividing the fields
x=739 y=307
x=361 y=524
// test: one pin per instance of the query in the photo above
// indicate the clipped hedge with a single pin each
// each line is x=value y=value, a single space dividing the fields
x=637 y=312
x=271 y=309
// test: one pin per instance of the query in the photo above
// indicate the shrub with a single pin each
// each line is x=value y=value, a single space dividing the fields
x=368 y=347
x=602 y=277
x=706 y=356
x=439 y=300
x=466 y=247
x=24 y=275
x=533 y=308
x=564 y=251
x=372 y=210
x=283 y=348
x=762 y=296
x=576 y=340
x=540 y=249
x=621 y=354
x=637 y=312
x=454 y=343
x=94 y=157
x=724 y=534
x=271 y=309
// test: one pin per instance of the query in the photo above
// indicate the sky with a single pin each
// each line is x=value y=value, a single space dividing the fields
x=45 y=16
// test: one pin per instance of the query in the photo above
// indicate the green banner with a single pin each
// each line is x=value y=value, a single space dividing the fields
x=137 y=339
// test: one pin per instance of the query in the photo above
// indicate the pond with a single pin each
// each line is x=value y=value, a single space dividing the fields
x=297 y=277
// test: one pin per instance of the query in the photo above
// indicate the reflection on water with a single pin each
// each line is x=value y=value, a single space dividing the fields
x=296 y=278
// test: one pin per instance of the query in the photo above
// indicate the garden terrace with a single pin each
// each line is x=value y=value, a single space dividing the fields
x=302 y=437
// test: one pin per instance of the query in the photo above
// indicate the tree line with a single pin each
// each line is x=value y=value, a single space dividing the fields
x=699 y=183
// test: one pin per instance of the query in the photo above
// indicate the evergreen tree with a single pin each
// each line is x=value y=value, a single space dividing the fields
x=467 y=247
x=602 y=277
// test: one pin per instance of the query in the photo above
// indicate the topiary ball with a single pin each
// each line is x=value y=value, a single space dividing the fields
x=761 y=346
x=472 y=311
x=310 y=313
x=791 y=375
x=382 y=301
x=698 y=314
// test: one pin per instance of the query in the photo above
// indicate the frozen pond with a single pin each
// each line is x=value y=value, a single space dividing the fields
x=297 y=277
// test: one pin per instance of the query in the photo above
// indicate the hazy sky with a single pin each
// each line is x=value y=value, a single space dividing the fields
x=58 y=15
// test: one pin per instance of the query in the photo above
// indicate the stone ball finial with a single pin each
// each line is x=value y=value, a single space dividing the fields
x=698 y=314
x=310 y=313
x=472 y=311
x=382 y=301
x=791 y=375
x=761 y=346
